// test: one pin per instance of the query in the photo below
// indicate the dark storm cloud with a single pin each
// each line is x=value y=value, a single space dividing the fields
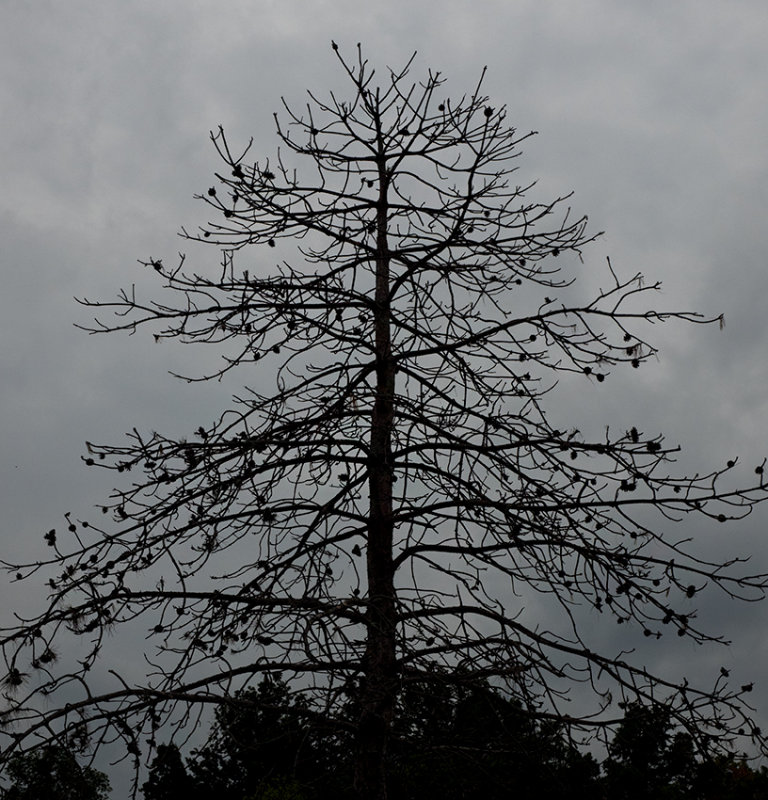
x=653 y=112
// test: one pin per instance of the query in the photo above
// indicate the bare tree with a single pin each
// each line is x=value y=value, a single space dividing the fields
x=387 y=513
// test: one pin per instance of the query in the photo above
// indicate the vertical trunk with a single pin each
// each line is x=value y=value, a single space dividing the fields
x=379 y=685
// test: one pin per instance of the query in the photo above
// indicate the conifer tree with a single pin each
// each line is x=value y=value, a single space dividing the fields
x=380 y=504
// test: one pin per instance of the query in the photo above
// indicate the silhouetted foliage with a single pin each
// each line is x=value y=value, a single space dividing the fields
x=168 y=779
x=730 y=778
x=388 y=504
x=474 y=743
x=649 y=759
x=263 y=741
x=458 y=743
x=53 y=773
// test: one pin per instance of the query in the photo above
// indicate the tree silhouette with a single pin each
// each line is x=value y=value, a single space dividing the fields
x=456 y=743
x=397 y=506
x=648 y=759
x=53 y=772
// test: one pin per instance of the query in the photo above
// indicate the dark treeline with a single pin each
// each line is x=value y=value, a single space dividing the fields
x=458 y=745
x=461 y=744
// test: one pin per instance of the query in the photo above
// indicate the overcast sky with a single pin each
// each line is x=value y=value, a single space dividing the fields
x=654 y=113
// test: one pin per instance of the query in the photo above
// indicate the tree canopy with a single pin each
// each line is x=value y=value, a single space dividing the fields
x=459 y=744
x=388 y=503
x=52 y=772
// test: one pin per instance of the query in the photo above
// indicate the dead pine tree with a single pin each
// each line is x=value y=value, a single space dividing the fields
x=396 y=507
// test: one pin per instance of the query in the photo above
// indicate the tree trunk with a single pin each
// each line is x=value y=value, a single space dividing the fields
x=378 y=690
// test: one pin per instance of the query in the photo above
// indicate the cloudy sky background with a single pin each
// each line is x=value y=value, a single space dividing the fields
x=654 y=112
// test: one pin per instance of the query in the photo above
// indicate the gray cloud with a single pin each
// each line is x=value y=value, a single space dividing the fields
x=653 y=112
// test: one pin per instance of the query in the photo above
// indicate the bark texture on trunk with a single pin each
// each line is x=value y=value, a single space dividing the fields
x=379 y=685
